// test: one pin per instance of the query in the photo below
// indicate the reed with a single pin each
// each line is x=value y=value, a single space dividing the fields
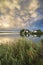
x=24 y=52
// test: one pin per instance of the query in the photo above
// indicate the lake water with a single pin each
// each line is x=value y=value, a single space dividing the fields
x=11 y=37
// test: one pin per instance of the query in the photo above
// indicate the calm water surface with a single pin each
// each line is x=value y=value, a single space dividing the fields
x=12 y=37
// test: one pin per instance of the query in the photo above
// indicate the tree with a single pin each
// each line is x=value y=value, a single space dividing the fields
x=27 y=32
x=22 y=32
x=38 y=31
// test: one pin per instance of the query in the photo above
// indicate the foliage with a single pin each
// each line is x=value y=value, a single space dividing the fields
x=21 y=53
x=24 y=32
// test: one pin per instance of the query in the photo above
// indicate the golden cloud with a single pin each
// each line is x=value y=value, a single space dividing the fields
x=32 y=7
x=18 y=19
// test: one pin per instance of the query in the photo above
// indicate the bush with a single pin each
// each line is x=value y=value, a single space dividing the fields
x=21 y=53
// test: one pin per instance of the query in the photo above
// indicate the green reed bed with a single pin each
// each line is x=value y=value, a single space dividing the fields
x=23 y=52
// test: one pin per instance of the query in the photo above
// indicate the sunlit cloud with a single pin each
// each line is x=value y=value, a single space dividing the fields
x=19 y=13
x=33 y=5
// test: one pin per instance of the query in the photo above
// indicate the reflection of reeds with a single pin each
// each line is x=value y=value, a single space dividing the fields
x=23 y=52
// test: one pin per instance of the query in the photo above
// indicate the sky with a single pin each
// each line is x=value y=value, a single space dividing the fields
x=18 y=14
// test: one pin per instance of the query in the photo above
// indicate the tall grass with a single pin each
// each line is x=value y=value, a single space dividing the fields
x=23 y=52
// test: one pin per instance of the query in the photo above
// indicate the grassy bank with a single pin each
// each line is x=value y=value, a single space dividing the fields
x=23 y=52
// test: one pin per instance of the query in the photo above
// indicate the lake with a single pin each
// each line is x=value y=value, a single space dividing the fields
x=11 y=37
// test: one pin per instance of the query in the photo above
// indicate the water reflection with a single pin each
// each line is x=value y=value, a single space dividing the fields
x=34 y=37
x=8 y=37
x=38 y=35
x=4 y=39
x=12 y=37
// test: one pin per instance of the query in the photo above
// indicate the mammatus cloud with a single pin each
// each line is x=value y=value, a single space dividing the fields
x=19 y=13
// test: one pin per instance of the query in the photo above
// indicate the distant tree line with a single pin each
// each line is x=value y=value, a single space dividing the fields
x=26 y=32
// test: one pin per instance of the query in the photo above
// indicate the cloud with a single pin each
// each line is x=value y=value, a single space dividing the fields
x=20 y=13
